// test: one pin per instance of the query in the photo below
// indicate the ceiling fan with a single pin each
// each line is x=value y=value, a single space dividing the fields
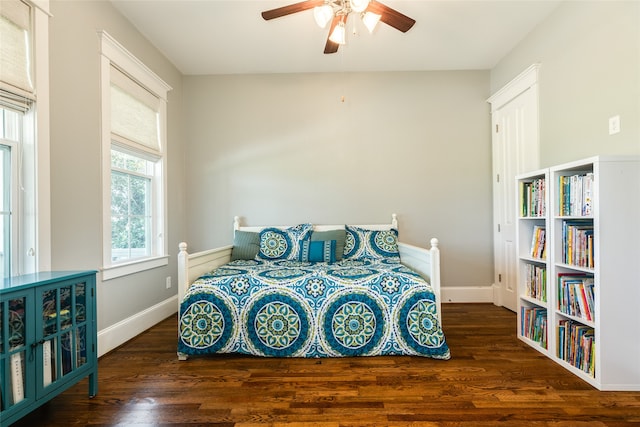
x=337 y=11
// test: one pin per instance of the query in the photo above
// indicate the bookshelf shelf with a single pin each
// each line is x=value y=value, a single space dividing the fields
x=591 y=265
x=47 y=338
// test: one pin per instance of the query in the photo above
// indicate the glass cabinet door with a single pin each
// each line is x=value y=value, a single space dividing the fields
x=13 y=350
x=64 y=330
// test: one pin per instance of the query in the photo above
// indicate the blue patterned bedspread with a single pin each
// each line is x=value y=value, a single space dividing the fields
x=298 y=309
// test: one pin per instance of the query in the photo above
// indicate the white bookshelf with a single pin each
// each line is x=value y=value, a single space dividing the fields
x=533 y=268
x=604 y=256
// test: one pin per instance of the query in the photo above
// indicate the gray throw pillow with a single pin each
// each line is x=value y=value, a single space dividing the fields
x=246 y=245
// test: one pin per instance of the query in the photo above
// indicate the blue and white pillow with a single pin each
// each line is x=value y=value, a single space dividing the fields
x=378 y=244
x=318 y=251
x=286 y=244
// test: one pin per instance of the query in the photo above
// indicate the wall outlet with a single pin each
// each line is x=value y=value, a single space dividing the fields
x=614 y=125
x=168 y=282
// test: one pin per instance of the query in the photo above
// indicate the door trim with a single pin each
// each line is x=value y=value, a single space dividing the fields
x=515 y=87
x=526 y=80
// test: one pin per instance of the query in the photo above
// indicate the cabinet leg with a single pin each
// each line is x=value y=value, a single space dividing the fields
x=93 y=385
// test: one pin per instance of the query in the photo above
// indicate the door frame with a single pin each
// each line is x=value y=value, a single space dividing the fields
x=527 y=80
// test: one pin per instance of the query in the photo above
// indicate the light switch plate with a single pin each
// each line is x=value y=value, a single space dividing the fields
x=614 y=125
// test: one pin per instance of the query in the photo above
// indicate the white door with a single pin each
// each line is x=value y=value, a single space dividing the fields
x=514 y=120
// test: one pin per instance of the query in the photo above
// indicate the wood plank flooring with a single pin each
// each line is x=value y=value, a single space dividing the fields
x=492 y=380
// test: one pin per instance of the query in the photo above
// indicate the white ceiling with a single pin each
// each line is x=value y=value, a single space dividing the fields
x=230 y=37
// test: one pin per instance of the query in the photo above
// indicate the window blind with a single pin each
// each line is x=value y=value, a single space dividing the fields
x=134 y=111
x=15 y=51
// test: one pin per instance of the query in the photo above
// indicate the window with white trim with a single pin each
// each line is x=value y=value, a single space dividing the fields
x=20 y=152
x=134 y=163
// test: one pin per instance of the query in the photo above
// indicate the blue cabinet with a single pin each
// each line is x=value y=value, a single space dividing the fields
x=48 y=338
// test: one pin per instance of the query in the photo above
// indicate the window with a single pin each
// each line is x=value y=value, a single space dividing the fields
x=134 y=157
x=24 y=158
x=131 y=198
x=6 y=201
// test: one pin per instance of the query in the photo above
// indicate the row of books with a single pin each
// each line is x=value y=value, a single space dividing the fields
x=539 y=242
x=533 y=198
x=576 y=296
x=577 y=345
x=577 y=243
x=534 y=324
x=49 y=366
x=575 y=195
x=535 y=277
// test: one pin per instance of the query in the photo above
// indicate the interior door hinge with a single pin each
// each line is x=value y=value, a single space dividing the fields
x=499 y=277
x=498 y=178
x=498 y=228
x=497 y=128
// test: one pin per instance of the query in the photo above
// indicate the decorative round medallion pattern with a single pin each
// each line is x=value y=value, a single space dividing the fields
x=418 y=324
x=353 y=324
x=278 y=324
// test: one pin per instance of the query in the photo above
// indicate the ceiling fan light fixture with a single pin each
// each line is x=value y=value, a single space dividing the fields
x=323 y=14
x=359 y=5
x=370 y=20
x=339 y=34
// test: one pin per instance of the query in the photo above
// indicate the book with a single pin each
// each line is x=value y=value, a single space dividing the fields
x=576 y=345
x=538 y=242
x=575 y=194
x=535 y=277
x=575 y=295
x=577 y=243
x=534 y=324
x=47 y=377
x=66 y=353
x=532 y=198
x=17 y=377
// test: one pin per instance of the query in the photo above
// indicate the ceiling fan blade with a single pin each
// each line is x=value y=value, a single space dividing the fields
x=292 y=8
x=332 y=47
x=391 y=16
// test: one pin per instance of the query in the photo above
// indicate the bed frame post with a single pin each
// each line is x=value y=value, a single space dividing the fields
x=183 y=272
x=394 y=221
x=435 y=275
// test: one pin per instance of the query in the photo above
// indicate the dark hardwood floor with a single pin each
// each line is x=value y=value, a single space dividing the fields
x=492 y=380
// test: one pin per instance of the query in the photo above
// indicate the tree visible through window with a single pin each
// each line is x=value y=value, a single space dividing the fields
x=131 y=213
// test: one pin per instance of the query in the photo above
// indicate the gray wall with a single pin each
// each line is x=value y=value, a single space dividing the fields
x=589 y=55
x=76 y=196
x=285 y=149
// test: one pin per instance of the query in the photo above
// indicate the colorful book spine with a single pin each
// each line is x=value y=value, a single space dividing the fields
x=575 y=195
x=538 y=242
x=534 y=324
x=576 y=345
x=535 y=277
x=532 y=196
x=577 y=244
x=576 y=296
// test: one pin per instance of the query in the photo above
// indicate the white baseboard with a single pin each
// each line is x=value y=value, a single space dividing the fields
x=115 y=335
x=467 y=294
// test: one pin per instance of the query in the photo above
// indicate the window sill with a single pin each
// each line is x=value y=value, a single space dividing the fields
x=119 y=270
